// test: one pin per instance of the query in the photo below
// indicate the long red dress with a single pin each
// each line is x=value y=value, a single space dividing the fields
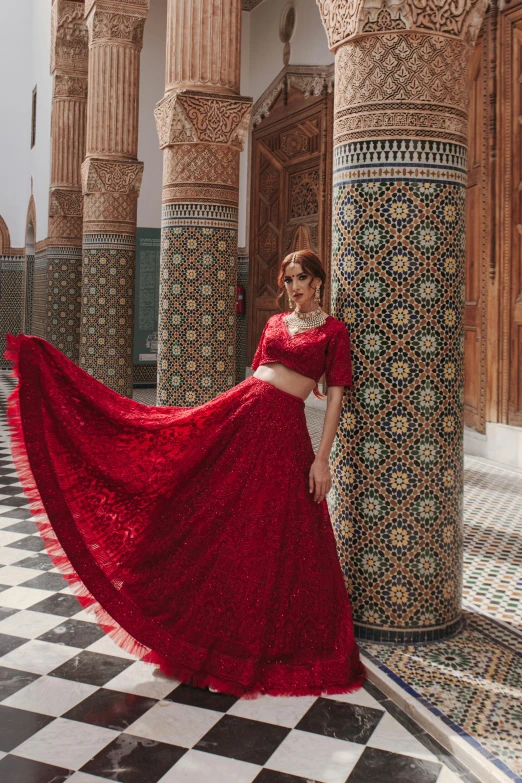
x=191 y=532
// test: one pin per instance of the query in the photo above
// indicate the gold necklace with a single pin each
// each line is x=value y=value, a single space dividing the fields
x=301 y=322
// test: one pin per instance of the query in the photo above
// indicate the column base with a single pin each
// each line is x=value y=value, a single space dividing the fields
x=373 y=633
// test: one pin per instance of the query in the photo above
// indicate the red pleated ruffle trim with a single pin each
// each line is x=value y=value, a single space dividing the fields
x=124 y=640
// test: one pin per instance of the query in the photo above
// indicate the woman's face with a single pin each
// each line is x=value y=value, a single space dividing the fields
x=300 y=286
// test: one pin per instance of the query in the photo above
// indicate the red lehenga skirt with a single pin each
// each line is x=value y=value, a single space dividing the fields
x=189 y=531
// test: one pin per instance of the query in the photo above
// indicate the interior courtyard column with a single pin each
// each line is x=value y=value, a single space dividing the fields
x=60 y=288
x=399 y=233
x=202 y=122
x=111 y=180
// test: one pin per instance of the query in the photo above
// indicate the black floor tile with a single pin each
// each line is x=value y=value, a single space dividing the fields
x=17 y=502
x=110 y=709
x=14 y=769
x=374 y=691
x=12 y=680
x=350 y=722
x=381 y=766
x=6 y=481
x=3 y=587
x=402 y=718
x=51 y=582
x=5 y=613
x=9 y=643
x=7 y=472
x=17 y=513
x=131 y=759
x=92 y=668
x=24 y=526
x=18 y=725
x=41 y=562
x=30 y=544
x=60 y=604
x=5 y=490
x=74 y=633
x=270 y=776
x=242 y=739
x=197 y=697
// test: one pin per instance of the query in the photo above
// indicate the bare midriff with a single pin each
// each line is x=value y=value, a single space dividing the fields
x=285 y=379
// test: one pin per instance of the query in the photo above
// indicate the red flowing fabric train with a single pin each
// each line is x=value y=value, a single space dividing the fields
x=189 y=531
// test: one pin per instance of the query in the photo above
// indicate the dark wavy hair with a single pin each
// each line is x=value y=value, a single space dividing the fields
x=310 y=263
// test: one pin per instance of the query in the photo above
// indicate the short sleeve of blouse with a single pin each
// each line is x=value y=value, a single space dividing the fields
x=259 y=350
x=338 y=369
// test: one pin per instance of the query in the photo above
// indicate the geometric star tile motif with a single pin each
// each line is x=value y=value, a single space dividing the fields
x=397 y=459
x=197 y=314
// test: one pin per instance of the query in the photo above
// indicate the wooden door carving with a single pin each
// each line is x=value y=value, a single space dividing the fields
x=290 y=197
x=474 y=366
x=515 y=277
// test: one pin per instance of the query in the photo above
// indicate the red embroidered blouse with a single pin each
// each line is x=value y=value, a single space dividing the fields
x=325 y=349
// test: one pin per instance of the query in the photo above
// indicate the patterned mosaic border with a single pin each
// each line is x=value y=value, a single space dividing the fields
x=198 y=214
x=470 y=683
x=400 y=159
x=115 y=241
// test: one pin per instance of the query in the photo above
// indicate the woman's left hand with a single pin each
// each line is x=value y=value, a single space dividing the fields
x=320 y=479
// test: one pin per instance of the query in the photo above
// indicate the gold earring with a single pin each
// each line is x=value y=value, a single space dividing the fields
x=317 y=295
x=291 y=303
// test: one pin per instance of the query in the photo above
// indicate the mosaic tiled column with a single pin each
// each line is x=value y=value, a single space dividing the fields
x=111 y=180
x=202 y=123
x=61 y=273
x=400 y=135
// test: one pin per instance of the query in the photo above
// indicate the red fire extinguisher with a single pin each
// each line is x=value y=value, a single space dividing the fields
x=240 y=299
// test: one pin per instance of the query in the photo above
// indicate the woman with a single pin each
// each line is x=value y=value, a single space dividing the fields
x=201 y=536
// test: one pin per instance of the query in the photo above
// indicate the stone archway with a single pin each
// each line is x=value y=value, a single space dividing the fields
x=11 y=273
x=28 y=274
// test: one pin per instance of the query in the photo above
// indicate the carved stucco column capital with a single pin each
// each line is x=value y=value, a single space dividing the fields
x=191 y=116
x=111 y=176
x=116 y=21
x=69 y=38
x=347 y=19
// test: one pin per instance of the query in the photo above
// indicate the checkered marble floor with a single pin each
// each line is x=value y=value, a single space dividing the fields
x=74 y=707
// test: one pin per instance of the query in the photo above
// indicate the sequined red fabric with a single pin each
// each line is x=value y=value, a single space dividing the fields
x=323 y=350
x=190 y=531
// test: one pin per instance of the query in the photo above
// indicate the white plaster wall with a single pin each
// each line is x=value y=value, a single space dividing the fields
x=152 y=89
x=15 y=124
x=40 y=76
x=307 y=47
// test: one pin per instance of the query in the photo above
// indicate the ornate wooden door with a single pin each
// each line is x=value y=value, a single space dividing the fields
x=290 y=198
x=515 y=297
x=474 y=372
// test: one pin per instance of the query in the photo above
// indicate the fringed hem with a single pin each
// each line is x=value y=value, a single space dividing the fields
x=121 y=637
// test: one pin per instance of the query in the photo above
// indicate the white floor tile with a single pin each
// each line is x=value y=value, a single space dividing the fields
x=12 y=575
x=178 y=724
x=38 y=657
x=106 y=646
x=273 y=709
x=66 y=743
x=29 y=624
x=7 y=521
x=198 y=767
x=9 y=538
x=86 y=615
x=82 y=777
x=310 y=755
x=390 y=735
x=447 y=776
x=50 y=696
x=22 y=597
x=10 y=556
x=143 y=680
